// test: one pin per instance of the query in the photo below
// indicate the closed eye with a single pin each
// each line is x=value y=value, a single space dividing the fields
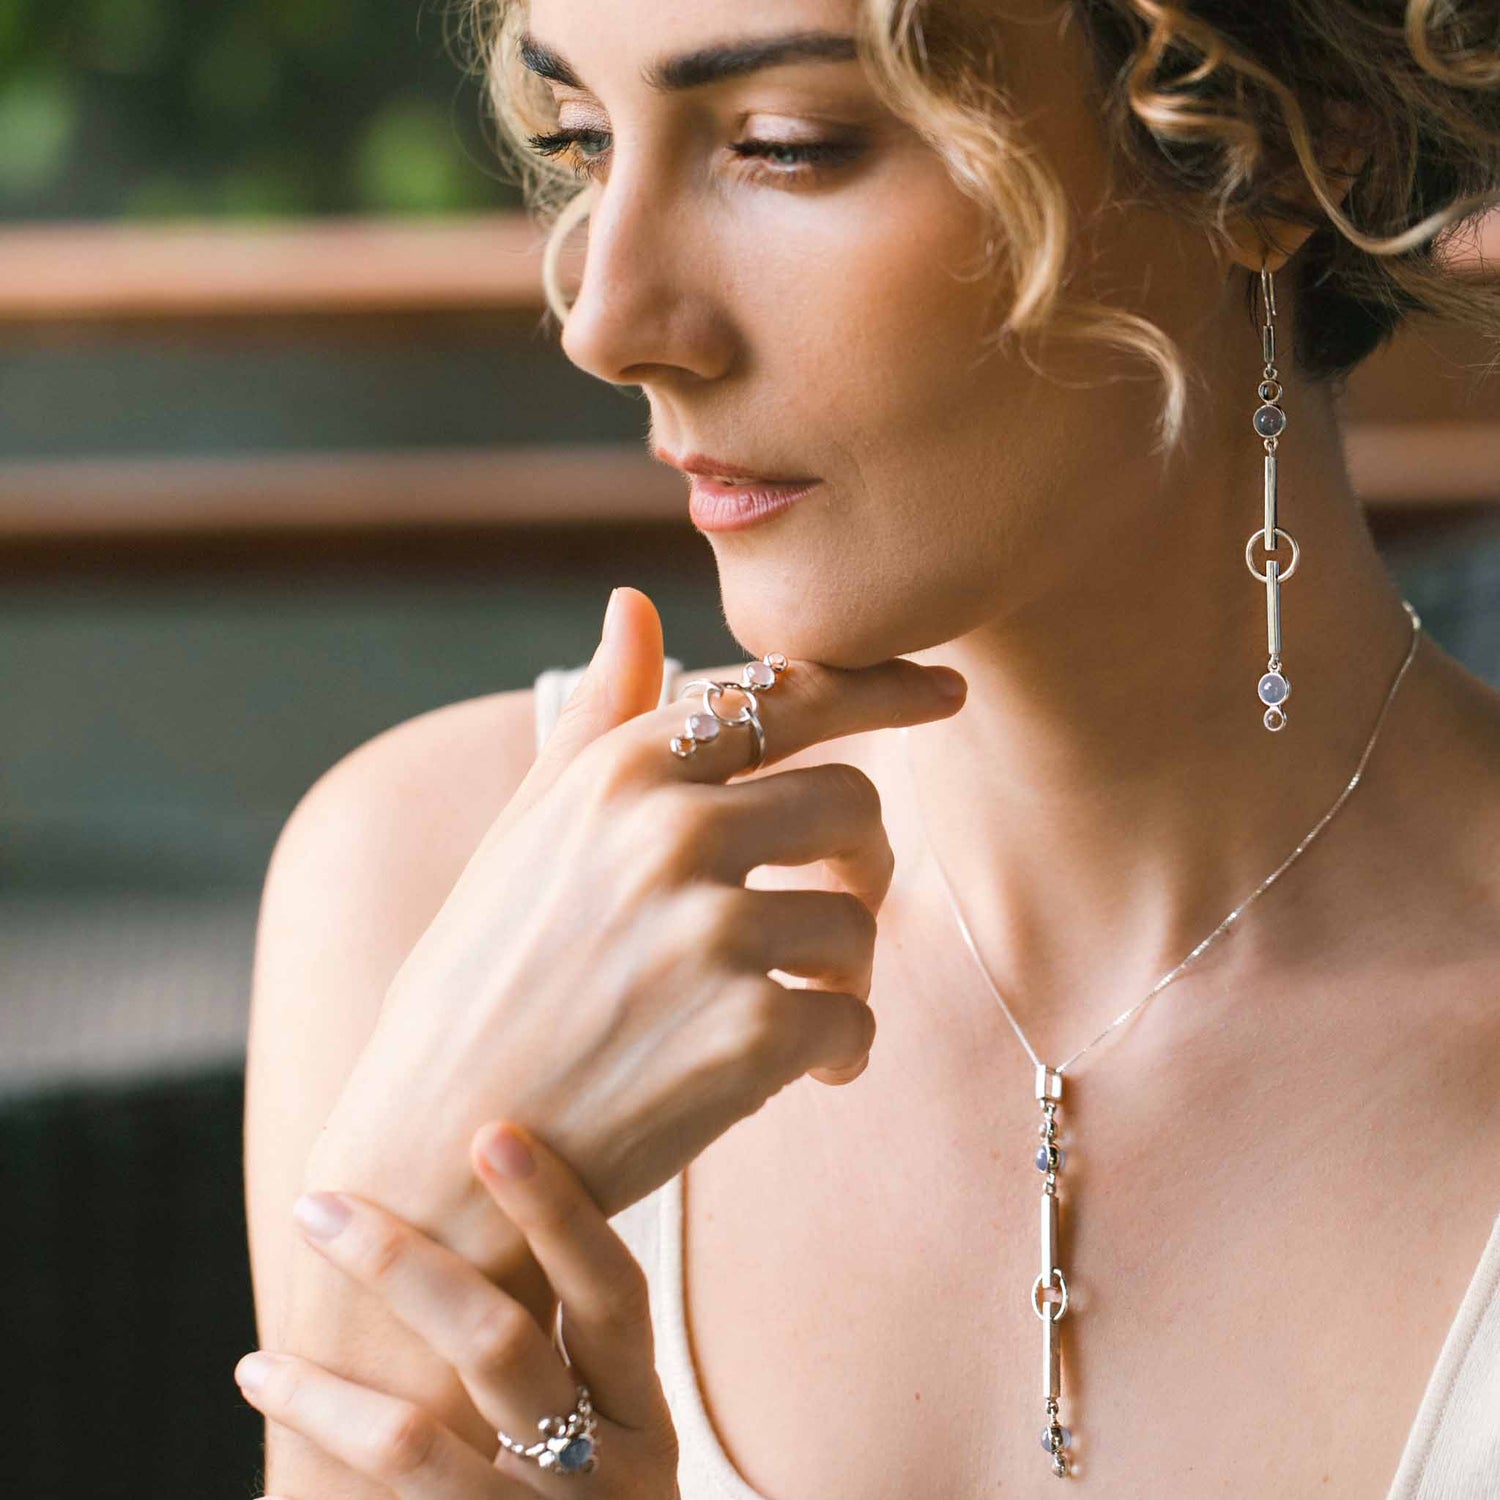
x=585 y=151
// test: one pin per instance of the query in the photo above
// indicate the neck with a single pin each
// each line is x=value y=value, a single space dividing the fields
x=1108 y=792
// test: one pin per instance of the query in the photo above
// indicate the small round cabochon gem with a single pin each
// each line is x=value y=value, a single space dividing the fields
x=703 y=726
x=1063 y=1442
x=1041 y=1157
x=1270 y=421
x=1273 y=688
x=758 y=675
x=575 y=1455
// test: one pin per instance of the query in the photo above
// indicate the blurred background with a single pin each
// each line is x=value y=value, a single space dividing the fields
x=287 y=455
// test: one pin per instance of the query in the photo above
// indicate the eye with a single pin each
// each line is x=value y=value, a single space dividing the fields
x=797 y=158
x=584 y=151
x=577 y=149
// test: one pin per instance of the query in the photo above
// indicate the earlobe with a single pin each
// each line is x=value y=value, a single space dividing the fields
x=1252 y=243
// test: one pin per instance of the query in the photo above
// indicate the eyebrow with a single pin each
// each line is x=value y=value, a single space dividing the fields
x=711 y=64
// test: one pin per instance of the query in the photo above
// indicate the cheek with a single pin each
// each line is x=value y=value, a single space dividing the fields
x=871 y=334
x=881 y=323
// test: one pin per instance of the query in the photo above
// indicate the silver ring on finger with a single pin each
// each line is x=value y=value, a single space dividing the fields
x=756 y=677
x=569 y=1444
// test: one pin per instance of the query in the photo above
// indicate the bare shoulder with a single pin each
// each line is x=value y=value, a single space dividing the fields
x=362 y=866
x=417 y=798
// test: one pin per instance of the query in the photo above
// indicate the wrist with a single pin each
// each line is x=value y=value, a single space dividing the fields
x=448 y=1204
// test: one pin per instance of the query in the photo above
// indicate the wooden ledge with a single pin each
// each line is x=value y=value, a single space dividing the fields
x=1414 y=467
x=196 y=271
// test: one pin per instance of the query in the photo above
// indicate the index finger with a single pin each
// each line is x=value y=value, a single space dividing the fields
x=806 y=704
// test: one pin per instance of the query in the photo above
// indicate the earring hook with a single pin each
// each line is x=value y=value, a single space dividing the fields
x=1267 y=291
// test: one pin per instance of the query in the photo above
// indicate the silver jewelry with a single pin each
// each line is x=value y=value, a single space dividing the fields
x=1049 y=1292
x=756 y=677
x=569 y=1443
x=1269 y=422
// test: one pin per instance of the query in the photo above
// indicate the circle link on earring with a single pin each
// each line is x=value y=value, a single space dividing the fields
x=1291 y=567
x=756 y=677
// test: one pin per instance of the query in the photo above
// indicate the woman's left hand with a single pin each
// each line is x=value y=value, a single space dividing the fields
x=509 y=1365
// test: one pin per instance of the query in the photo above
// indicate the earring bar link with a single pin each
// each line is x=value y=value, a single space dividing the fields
x=1269 y=423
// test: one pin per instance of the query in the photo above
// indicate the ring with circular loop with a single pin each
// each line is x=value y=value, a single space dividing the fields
x=1291 y=567
x=1059 y=1308
x=686 y=744
x=713 y=690
x=755 y=678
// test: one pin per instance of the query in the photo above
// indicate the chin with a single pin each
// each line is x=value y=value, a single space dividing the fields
x=805 y=619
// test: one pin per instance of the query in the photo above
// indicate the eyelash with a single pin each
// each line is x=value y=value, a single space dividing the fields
x=808 y=155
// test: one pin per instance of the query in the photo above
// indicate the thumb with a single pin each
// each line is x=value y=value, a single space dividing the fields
x=623 y=679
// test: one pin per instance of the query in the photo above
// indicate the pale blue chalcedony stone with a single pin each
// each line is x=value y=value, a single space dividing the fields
x=1270 y=421
x=575 y=1455
x=1067 y=1437
x=1041 y=1158
x=1273 y=688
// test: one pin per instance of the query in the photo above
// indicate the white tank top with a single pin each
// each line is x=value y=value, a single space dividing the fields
x=1452 y=1451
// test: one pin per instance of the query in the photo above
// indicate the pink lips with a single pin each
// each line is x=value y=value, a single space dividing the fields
x=718 y=505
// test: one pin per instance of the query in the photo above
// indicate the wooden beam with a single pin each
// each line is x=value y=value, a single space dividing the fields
x=1422 y=465
x=193 y=271
x=422 y=489
x=196 y=271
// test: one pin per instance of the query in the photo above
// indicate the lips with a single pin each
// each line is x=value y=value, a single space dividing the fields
x=741 y=472
x=723 y=505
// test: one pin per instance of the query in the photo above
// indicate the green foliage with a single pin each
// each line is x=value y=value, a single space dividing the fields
x=38 y=119
x=164 y=108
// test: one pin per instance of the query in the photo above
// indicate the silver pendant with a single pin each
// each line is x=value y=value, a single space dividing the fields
x=1049 y=1293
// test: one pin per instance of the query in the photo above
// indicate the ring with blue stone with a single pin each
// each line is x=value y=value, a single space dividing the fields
x=569 y=1443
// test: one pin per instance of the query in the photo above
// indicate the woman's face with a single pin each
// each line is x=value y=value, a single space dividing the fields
x=813 y=313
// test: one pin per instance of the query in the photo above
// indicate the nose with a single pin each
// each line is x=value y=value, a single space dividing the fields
x=649 y=306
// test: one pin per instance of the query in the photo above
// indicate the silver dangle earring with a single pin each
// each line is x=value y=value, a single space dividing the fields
x=1269 y=422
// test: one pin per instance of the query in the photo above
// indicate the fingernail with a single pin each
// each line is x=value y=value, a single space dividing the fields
x=950 y=684
x=322 y=1215
x=611 y=617
x=252 y=1370
x=508 y=1154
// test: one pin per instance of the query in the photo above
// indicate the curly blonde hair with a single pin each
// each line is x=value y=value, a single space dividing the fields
x=1212 y=107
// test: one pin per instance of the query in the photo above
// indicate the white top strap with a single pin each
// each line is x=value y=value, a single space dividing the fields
x=554 y=687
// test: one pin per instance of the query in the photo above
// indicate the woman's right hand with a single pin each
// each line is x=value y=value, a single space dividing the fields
x=600 y=971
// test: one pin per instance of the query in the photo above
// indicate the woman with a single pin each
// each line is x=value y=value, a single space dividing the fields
x=889 y=278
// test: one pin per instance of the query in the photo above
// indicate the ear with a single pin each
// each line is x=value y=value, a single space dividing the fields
x=1273 y=242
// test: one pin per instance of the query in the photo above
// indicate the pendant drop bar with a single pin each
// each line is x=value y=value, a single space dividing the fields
x=1049 y=1159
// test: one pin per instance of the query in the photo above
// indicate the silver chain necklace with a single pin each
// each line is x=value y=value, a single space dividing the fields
x=1049 y=1292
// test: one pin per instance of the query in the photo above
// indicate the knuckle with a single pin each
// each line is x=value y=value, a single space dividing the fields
x=757 y=1026
x=859 y=917
x=610 y=766
x=675 y=830
x=714 y=919
x=378 y=1251
x=856 y=788
x=556 y=1214
x=687 y=811
x=284 y=1387
x=626 y=1302
x=497 y=1339
x=402 y=1442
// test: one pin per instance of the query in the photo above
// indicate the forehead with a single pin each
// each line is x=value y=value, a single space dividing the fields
x=616 y=35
